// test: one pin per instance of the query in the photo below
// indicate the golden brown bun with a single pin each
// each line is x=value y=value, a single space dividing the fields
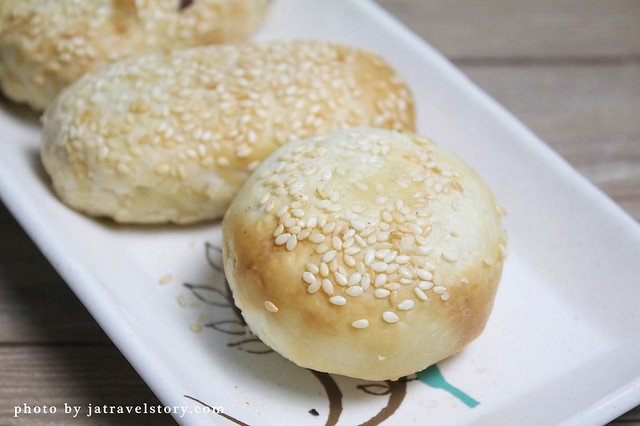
x=47 y=44
x=172 y=137
x=366 y=252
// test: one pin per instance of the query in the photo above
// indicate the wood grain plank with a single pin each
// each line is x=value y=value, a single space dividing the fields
x=580 y=30
x=76 y=375
x=36 y=305
x=588 y=114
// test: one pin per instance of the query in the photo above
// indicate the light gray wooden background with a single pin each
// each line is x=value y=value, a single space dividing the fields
x=569 y=69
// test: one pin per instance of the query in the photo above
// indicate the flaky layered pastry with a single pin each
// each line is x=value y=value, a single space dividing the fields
x=172 y=137
x=366 y=252
x=45 y=45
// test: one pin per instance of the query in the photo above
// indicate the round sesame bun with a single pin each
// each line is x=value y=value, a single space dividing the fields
x=47 y=44
x=172 y=137
x=366 y=252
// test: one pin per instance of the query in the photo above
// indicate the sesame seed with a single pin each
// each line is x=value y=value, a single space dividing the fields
x=390 y=317
x=382 y=253
x=354 y=291
x=360 y=241
x=324 y=269
x=392 y=268
x=308 y=277
x=392 y=286
x=326 y=229
x=406 y=304
x=340 y=278
x=292 y=242
x=365 y=282
x=349 y=260
x=282 y=211
x=379 y=266
x=323 y=204
x=317 y=238
x=282 y=239
x=439 y=289
x=403 y=259
x=424 y=274
x=327 y=287
x=390 y=257
x=271 y=307
x=457 y=186
x=354 y=279
x=329 y=256
x=351 y=250
x=313 y=268
x=425 y=285
x=295 y=230
x=314 y=287
x=323 y=247
x=381 y=293
x=361 y=323
x=405 y=272
x=420 y=294
x=279 y=230
x=380 y=280
x=338 y=300
x=358 y=225
x=304 y=234
x=336 y=243
x=445 y=296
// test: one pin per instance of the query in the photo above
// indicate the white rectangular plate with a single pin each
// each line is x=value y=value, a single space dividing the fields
x=562 y=343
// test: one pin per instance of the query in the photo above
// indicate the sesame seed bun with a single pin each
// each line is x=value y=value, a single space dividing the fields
x=172 y=137
x=365 y=252
x=47 y=44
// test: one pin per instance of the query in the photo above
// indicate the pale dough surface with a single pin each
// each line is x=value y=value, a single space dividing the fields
x=172 y=137
x=367 y=252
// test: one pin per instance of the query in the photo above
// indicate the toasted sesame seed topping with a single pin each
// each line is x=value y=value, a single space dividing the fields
x=309 y=278
x=314 y=287
x=292 y=242
x=361 y=323
x=406 y=305
x=439 y=289
x=338 y=300
x=420 y=294
x=327 y=287
x=361 y=244
x=354 y=291
x=282 y=239
x=381 y=293
x=379 y=266
x=341 y=279
x=271 y=307
x=390 y=317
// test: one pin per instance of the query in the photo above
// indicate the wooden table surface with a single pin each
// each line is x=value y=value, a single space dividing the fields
x=570 y=70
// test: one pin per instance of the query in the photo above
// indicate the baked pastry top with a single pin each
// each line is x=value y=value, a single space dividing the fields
x=45 y=45
x=172 y=137
x=365 y=252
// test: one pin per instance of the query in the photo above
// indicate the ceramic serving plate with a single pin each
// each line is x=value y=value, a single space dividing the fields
x=561 y=345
